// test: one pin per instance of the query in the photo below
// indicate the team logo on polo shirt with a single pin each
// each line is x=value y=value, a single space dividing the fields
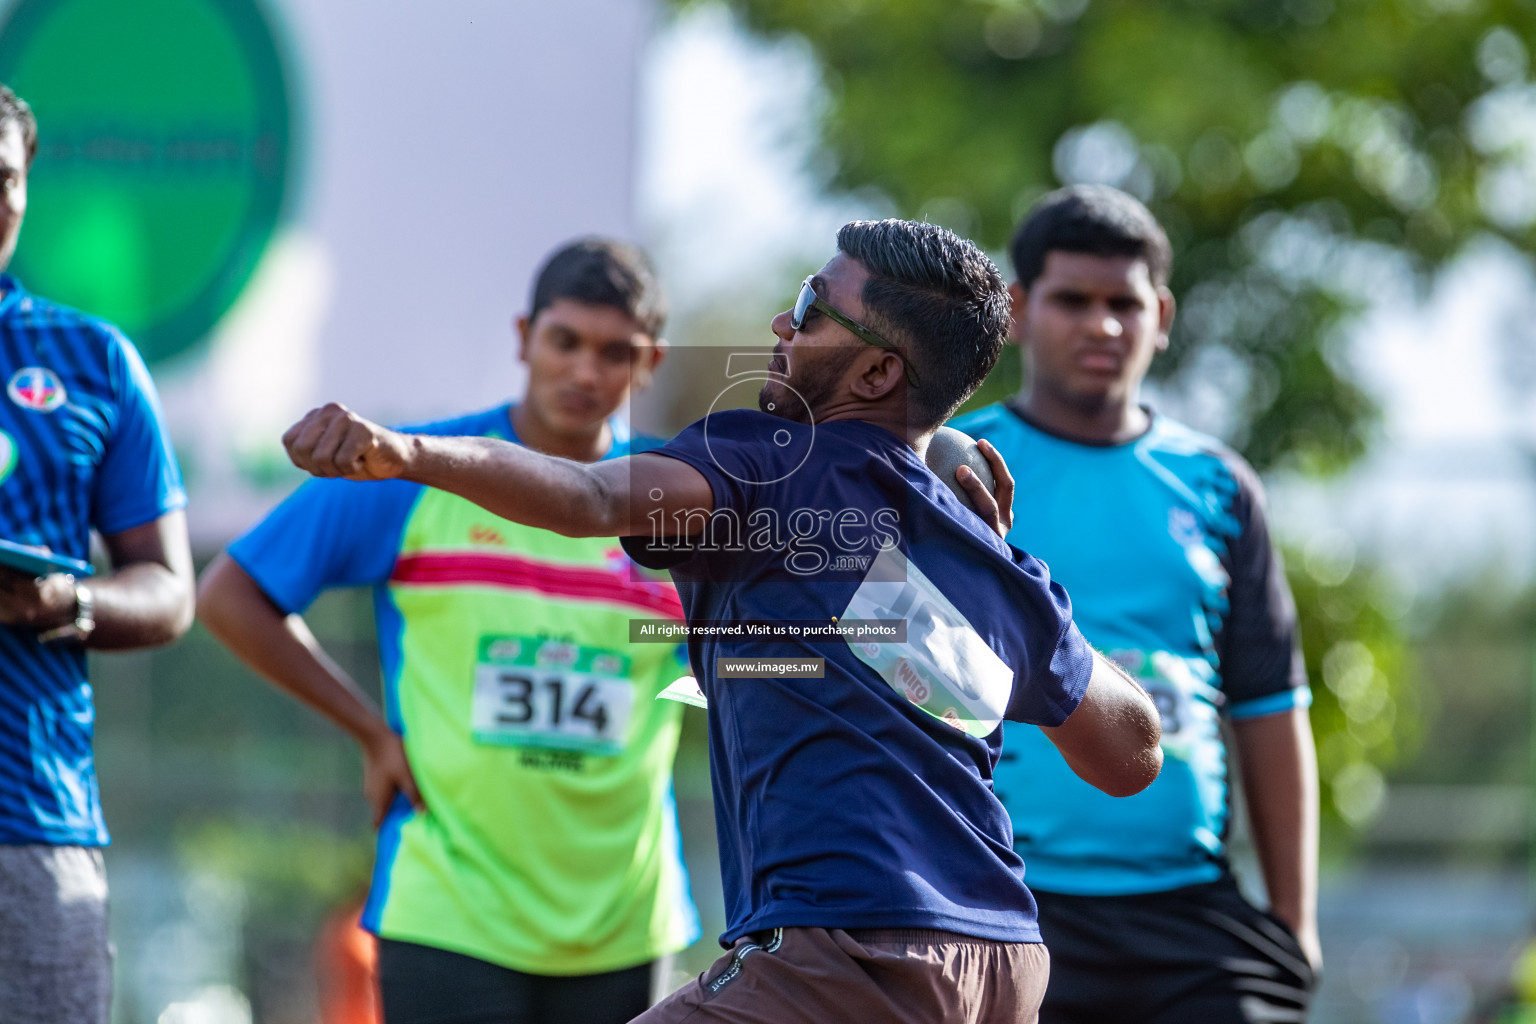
x=7 y=455
x=37 y=388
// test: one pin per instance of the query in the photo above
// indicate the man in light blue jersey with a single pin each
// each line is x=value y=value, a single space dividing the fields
x=81 y=448
x=1158 y=532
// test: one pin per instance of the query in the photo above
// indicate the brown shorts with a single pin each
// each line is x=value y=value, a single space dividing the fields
x=893 y=976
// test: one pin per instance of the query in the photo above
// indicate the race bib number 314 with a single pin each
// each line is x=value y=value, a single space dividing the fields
x=546 y=693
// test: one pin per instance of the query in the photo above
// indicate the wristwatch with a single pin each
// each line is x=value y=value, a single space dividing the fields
x=80 y=630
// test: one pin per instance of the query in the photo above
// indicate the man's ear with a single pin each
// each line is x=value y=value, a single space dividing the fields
x=646 y=363
x=879 y=372
x=523 y=326
x=1165 y=310
x=1018 y=300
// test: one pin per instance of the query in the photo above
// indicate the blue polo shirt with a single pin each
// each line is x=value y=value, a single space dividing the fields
x=1163 y=544
x=862 y=798
x=82 y=446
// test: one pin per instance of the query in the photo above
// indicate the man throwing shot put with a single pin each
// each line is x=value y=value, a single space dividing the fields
x=869 y=871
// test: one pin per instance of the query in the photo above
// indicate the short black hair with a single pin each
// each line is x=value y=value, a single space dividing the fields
x=602 y=272
x=14 y=110
x=939 y=297
x=1095 y=220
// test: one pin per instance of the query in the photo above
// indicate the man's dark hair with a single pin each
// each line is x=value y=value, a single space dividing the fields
x=602 y=272
x=938 y=297
x=14 y=110
x=1094 y=220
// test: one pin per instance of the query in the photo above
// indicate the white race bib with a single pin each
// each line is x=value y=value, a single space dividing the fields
x=546 y=693
x=944 y=667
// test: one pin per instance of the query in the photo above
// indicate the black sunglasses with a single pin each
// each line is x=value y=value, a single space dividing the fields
x=809 y=300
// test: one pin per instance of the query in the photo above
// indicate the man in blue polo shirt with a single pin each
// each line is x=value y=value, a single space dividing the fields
x=868 y=869
x=81 y=447
x=1159 y=534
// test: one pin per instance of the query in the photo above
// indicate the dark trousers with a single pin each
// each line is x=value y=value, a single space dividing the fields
x=1202 y=953
x=425 y=985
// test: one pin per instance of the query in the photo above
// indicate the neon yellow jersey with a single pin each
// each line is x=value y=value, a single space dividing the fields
x=550 y=842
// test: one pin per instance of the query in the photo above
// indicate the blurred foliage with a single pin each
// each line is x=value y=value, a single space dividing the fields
x=1297 y=151
x=287 y=867
x=1478 y=663
x=1363 y=675
x=292 y=875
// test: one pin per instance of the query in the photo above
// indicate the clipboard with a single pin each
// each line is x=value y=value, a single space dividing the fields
x=38 y=561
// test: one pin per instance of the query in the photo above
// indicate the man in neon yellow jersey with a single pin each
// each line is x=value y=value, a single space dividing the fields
x=528 y=866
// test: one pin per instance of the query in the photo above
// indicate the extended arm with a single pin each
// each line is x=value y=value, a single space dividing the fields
x=1111 y=740
x=1279 y=771
x=145 y=601
x=281 y=648
x=616 y=498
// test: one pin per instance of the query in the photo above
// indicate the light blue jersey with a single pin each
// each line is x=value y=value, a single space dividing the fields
x=1162 y=545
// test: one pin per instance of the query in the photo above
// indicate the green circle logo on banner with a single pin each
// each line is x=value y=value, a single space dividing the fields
x=162 y=160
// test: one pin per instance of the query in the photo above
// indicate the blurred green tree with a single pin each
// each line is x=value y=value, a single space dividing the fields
x=1306 y=156
x=1364 y=673
x=1297 y=150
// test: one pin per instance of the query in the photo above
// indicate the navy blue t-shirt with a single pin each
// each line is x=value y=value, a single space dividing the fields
x=862 y=799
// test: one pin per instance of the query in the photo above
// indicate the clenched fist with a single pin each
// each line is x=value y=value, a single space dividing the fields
x=335 y=441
